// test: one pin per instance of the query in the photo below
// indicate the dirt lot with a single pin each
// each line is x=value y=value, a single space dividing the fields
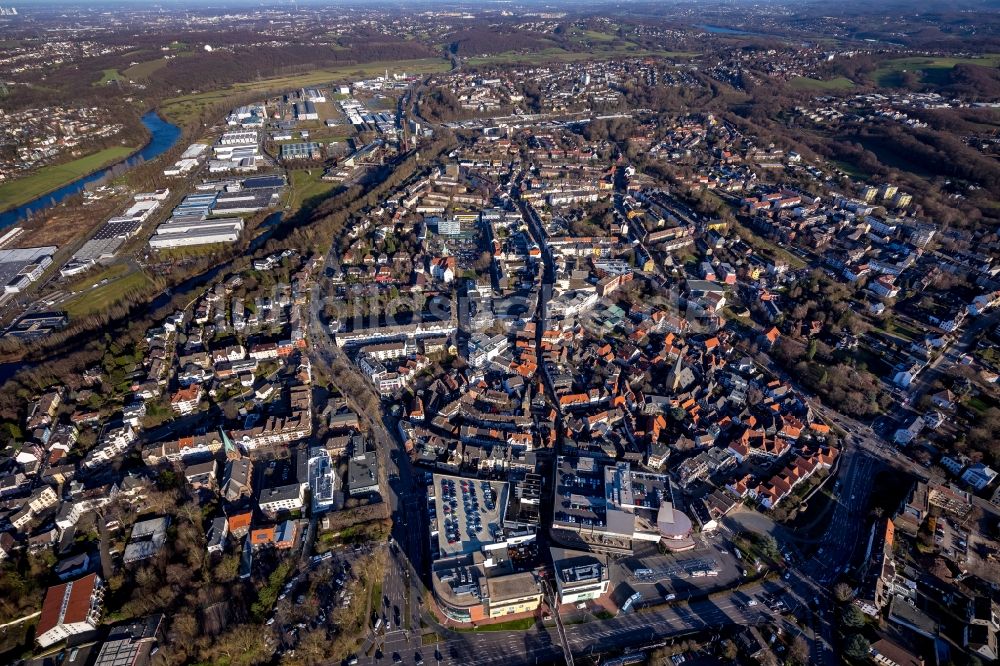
x=63 y=226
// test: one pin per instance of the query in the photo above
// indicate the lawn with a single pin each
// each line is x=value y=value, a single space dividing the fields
x=143 y=70
x=595 y=36
x=109 y=75
x=977 y=403
x=304 y=184
x=931 y=70
x=989 y=356
x=109 y=273
x=851 y=169
x=52 y=177
x=190 y=106
x=512 y=625
x=806 y=83
x=189 y=251
x=100 y=298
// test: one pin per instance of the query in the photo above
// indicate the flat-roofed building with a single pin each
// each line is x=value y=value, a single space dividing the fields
x=580 y=576
x=131 y=644
x=288 y=497
x=362 y=473
x=322 y=479
x=305 y=150
x=146 y=540
x=196 y=230
x=512 y=594
x=606 y=507
x=474 y=573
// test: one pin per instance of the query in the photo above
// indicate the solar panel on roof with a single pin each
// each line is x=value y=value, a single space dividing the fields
x=263 y=181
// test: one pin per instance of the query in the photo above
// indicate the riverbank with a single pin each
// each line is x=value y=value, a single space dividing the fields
x=163 y=137
x=50 y=178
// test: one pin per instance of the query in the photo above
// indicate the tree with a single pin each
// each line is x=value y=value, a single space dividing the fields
x=853 y=617
x=227 y=569
x=798 y=653
x=856 y=647
x=843 y=593
x=770 y=546
x=243 y=645
x=167 y=480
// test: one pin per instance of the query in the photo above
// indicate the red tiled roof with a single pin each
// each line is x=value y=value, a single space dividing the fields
x=77 y=605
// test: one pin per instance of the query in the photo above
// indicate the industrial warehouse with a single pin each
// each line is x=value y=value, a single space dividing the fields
x=205 y=217
x=105 y=242
x=21 y=267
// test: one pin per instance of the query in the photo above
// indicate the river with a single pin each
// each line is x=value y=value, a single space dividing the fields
x=720 y=30
x=164 y=136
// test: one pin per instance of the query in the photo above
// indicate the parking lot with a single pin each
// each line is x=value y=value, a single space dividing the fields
x=693 y=568
x=307 y=599
x=467 y=512
x=951 y=539
x=710 y=565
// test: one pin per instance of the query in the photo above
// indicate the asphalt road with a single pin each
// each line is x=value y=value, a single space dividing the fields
x=540 y=645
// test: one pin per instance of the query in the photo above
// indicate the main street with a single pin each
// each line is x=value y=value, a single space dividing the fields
x=536 y=645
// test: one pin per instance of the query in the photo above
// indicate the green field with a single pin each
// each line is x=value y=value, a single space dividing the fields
x=511 y=625
x=595 y=36
x=851 y=169
x=978 y=403
x=188 y=251
x=143 y=70
x=109 y=273
x=304 y=184
x=771 y=250
x=109 y=75
x=806 y=83
x=48 y=178
x=931 y=70
x=190 y=106
x=100 y=298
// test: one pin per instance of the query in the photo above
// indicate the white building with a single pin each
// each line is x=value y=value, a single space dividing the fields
x=323 y=479
x=581 y=578
x=114 y=440
x=70 y=608
x=483 y=348
x=282 y=498
x=979 y=475
x=449 y=226
x=188 y=231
